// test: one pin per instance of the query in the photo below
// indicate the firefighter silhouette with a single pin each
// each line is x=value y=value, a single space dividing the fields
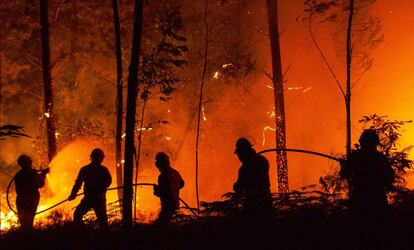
x=253 y=180
x=96 y=179
x=168 y=189
x=27 y=183
x=369 y=173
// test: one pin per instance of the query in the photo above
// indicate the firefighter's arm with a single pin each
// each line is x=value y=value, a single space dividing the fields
x=157 y=188
x=238 y=185
x=182 y=183
x=78 y=184
x=41 y=178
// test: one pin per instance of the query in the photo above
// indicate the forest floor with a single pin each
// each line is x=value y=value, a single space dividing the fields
x=306 y=230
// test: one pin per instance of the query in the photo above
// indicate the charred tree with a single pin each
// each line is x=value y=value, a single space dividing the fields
x=277 y=78
x=130 y=116
x=119 y=98
x=1 y=28
x=200 y=101
x=47 y=80
x=348 y=78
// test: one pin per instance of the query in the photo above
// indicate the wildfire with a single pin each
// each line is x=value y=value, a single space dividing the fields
x=64 y=170
x=7 y=221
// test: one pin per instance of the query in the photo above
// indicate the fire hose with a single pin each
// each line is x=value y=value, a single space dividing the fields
x=300 y=151
x=151 y=184
x=108 y=189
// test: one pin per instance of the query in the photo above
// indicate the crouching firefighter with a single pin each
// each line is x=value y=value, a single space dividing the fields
x=97 y=179
x=168 y=188
x=27 y=183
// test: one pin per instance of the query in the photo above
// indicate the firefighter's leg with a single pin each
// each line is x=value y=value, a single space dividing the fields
x=26 y=208
x=80 y=211
x=26 y=224
x=165 y=216
x=100 y=211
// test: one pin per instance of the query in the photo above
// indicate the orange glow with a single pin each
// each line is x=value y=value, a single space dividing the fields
x=233 y=108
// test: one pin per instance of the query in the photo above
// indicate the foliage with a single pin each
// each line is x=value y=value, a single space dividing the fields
x=366 y=29
x=310 y=199
x=158 y=65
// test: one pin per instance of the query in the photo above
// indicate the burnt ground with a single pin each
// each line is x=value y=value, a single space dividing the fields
x=307 y=230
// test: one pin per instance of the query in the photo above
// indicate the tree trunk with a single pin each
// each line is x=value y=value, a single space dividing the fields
x=1 y=52
x=47 y=80
x=130 y=116
x=277 y=77
x=119 y=99
x=144 y=105
x=200 y=101
x=348 y=78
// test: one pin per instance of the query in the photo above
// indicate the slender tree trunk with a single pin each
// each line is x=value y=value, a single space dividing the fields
x=1 y=53
x=47 y=80
x=130 y=116
x=200 y=101
x=119 y=98
x=277 y=76
x=144 y=105
x=348 y=78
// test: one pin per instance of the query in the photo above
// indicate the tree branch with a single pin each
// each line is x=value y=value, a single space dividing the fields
x=318 y=48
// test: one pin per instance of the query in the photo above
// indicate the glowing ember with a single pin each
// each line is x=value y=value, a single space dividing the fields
x=144 y=129
x=271 y=114
x=264 y=133
x=307 y=89
x=204 y=113
x=216 y=75
x=294 y=88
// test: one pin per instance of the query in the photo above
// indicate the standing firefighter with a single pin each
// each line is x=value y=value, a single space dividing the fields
x=97 y=179
x=370 y=174
x=168 y=188
x=253 y=180
x=27 y=182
